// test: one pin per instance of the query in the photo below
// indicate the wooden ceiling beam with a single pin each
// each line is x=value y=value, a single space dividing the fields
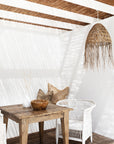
x=18 y=21
x=38 y=14
x=72 y=7
x=109 y=2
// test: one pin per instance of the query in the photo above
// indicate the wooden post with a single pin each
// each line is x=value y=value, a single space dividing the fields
x=65 y=127
x=23 y=129
x=41 y=131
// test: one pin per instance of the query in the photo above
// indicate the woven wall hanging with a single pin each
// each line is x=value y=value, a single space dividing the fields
x=98 y=47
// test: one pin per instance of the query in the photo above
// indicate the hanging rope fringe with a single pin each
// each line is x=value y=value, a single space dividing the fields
x=98 y=48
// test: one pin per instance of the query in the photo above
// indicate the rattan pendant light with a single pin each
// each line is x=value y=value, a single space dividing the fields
x=98 y=47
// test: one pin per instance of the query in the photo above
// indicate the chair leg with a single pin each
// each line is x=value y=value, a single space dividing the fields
x=57 y=132
x=91 y=138
x=83 y=141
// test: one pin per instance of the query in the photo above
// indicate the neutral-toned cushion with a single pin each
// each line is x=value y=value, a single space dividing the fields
x=52 y=88
x=42 y=95
x=57 y=94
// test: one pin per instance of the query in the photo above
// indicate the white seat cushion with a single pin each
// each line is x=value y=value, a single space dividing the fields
x=75 y=125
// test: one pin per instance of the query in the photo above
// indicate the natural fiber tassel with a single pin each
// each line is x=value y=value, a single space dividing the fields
x=98 y=48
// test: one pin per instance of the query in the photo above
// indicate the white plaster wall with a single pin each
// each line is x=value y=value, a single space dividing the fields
x=99 y=87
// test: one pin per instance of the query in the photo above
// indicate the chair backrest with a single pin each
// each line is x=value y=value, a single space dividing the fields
x=1 y=118
x=80 y=107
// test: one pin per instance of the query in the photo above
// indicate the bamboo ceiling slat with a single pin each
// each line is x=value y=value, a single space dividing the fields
x=42 y=15
x=35 y=24
x=64 y=5
x=109 y=2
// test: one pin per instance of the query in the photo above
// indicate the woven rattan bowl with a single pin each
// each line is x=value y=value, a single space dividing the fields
x=39 y=104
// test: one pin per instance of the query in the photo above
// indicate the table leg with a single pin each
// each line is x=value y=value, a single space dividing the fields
x=65 y=127
x=23 y=130
x=41 y=131
x=6 y=121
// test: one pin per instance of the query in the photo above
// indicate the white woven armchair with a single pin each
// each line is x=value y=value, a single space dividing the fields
x=2 y=131
x=80 y=120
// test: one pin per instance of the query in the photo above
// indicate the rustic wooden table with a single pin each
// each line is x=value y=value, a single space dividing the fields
x=25 y=116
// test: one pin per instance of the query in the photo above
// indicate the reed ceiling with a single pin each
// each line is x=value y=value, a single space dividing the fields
x=64 y=5
x=38 y=14
x=58 y=11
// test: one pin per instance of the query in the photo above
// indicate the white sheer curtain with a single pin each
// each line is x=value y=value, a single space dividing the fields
x=29 y=59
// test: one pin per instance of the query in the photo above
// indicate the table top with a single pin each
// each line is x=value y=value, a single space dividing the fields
x=19 y=112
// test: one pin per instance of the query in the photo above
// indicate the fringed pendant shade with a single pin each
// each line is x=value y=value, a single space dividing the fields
x=98 y=48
